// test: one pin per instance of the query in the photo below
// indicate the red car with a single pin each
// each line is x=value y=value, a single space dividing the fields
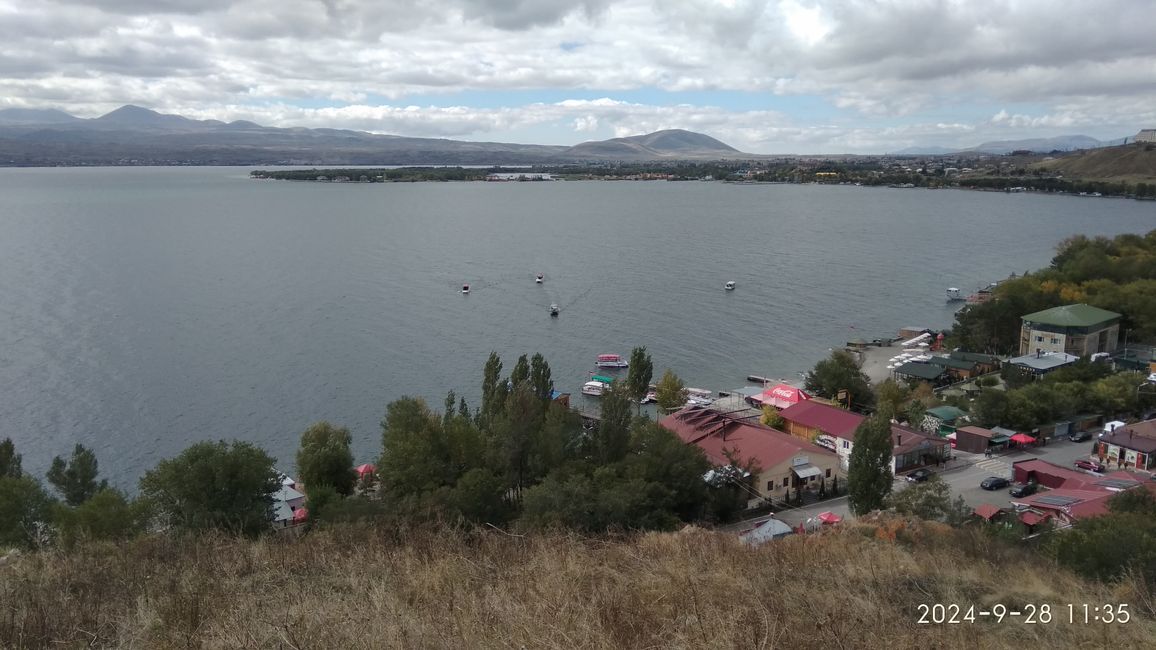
x=1090 y=465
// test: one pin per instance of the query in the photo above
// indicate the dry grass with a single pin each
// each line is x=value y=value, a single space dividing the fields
x=362 y=588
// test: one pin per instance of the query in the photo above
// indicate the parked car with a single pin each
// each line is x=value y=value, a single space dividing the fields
x=919 y=476
x=994 y=483
x=1090 y=465
x=1023 y=489
x=1080 y=436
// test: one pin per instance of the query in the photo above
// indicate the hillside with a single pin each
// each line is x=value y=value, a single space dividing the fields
x=1131 y=162
x=669 y=144
x=858 y=587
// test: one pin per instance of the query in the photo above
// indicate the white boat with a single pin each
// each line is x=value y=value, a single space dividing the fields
x=954 y=295
x=593 y=388
x=611 y=361
x=465 y=288
x=699 y=396
x=553 y=310
x=651 y=396
x=539 y=278
x=729 y=286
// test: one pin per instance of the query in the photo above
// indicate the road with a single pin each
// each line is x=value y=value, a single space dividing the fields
x=964 y=474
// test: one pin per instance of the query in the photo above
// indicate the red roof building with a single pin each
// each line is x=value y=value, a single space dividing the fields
x=810 y=419
x=782 y=462
x=781 y=396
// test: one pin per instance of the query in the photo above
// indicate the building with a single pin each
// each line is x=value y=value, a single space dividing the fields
x=984 y=363
x=1079 y=330
x=780 y=396
x=1073 y=495
x=1041 y=363
x=1145 y=135
x=783 y=463
x=911 y=449
x=1130 y=446
x=942 y=419
x=833 y=428
x=917 y=371
x=957 y=369
x=973 y=439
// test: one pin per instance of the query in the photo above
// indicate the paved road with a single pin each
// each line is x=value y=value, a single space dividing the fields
x=964 y=475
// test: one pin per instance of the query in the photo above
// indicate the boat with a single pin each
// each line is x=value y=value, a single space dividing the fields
x=983 y=295
x=553 y=310
x=465 y=288
x=651 y=396
x=729 y=286
x=539 y=279
x=611 y=361
x=699 y=397
x=593 y=388
x=954 y=295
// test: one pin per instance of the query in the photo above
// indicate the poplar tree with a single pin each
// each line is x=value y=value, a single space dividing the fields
x=869 y=473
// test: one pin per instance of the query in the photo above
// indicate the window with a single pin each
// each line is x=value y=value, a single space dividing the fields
x=1055 y=340
x=828 y=474
x=785 y=481
x=1039 y=339
x=846 y=444
x=770 y=485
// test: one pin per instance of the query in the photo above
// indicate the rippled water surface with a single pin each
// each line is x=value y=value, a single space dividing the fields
x=142 y=309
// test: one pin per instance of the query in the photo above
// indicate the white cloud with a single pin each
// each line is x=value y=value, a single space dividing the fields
x=1055 y=65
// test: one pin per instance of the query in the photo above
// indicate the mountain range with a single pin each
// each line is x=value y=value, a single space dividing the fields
x=1034 y=145
x=135 y=135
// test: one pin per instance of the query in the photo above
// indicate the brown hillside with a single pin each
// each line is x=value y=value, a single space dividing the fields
x=859 y=587
x=1130 y=163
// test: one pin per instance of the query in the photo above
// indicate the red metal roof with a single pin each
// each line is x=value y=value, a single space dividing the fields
x=987 y=510
x=718 y=434
x=1052 y=475
x=1032 y=518
x=829 y=419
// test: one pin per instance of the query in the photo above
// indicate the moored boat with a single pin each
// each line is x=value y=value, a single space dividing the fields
x=593 y=388
x=611 y=361
x=553 y=310
x=539 y=279
x=465 y=288
x=954 y=295
x=729 y=286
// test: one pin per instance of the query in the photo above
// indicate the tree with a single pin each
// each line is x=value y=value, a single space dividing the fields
x=990 y=407
x=25 y=509
x=106 y=516
x=493 y=390
x=916 y=412
x=839 y=372
x=540 y=379
x=930 y=500
x=75 y=479
x=612 y=436
x=639 y=375
x=220 y=485
x=9 y=459
x=771 y=417
x=520 y=373
x=670 y=392
x=891 y=395
x=869 y=472
x=324 y=458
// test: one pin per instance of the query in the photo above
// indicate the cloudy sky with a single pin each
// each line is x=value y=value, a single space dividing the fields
x=790 y=76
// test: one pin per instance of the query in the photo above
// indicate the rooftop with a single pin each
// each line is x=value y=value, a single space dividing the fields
x=832 y=420
x=945 y=412
x=1044 y=362
x=1139 y=436
x=721 y=437
x=1080 y=315
x=920 y=370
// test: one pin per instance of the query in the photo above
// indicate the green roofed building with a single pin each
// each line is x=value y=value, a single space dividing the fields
x=1081 y=330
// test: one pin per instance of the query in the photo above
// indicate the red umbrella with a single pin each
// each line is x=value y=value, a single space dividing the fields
x=300 y=515
x=362 y=470
x=829 y=518
x=1022 y=438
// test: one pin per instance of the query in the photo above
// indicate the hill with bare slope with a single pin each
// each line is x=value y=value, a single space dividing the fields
x=668 y=144
x=858 y=586
x=1129 y=163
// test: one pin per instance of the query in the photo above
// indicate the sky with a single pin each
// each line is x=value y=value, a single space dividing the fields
x=771 y=77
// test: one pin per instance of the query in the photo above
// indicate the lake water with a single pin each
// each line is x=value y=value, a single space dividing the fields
x=143 y=309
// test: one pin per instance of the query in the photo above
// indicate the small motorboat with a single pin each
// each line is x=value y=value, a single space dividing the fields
x=539 y=278
x=465 y=288
x=553 y=310
x=954 y=295
x=611 y=361
x=729 y=286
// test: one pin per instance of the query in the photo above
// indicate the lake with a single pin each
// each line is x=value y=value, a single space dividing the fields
x=143 y=309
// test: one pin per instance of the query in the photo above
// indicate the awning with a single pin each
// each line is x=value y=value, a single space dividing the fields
x=1023 y=438
x=806 y=470
x=998 y=439
x=829 y=518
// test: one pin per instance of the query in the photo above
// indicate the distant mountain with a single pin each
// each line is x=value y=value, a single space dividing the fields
x=1040 y=145
x=138 y=136
x=35 y=116
x=924 y=151
x=671 y=143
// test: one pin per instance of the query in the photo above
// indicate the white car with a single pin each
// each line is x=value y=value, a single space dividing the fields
x=1152 y=378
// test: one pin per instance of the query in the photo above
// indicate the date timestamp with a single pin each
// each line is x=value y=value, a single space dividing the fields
x=1028 y=614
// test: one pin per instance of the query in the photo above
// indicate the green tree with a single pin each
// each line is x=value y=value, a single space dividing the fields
x=869 y=472
x=612 y=436
x=493 y=389
x=214 y=485
x=639 y=375
x=839 y=372
x=106 y=516
x=325 y=458
x=521 y=372
x=25 y=508
x=890 y=396
x=540 y=379
x=9 y=459
x=75 y=479
x=990 y=407
x=930 y=500
x=915 y=413
x=670 y=392
x=771 y=417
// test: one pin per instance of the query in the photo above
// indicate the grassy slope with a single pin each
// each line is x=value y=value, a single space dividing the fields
x=358 y=588
x=1130 y=163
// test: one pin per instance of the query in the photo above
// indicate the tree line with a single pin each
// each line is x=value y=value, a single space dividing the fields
x=520 y=459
